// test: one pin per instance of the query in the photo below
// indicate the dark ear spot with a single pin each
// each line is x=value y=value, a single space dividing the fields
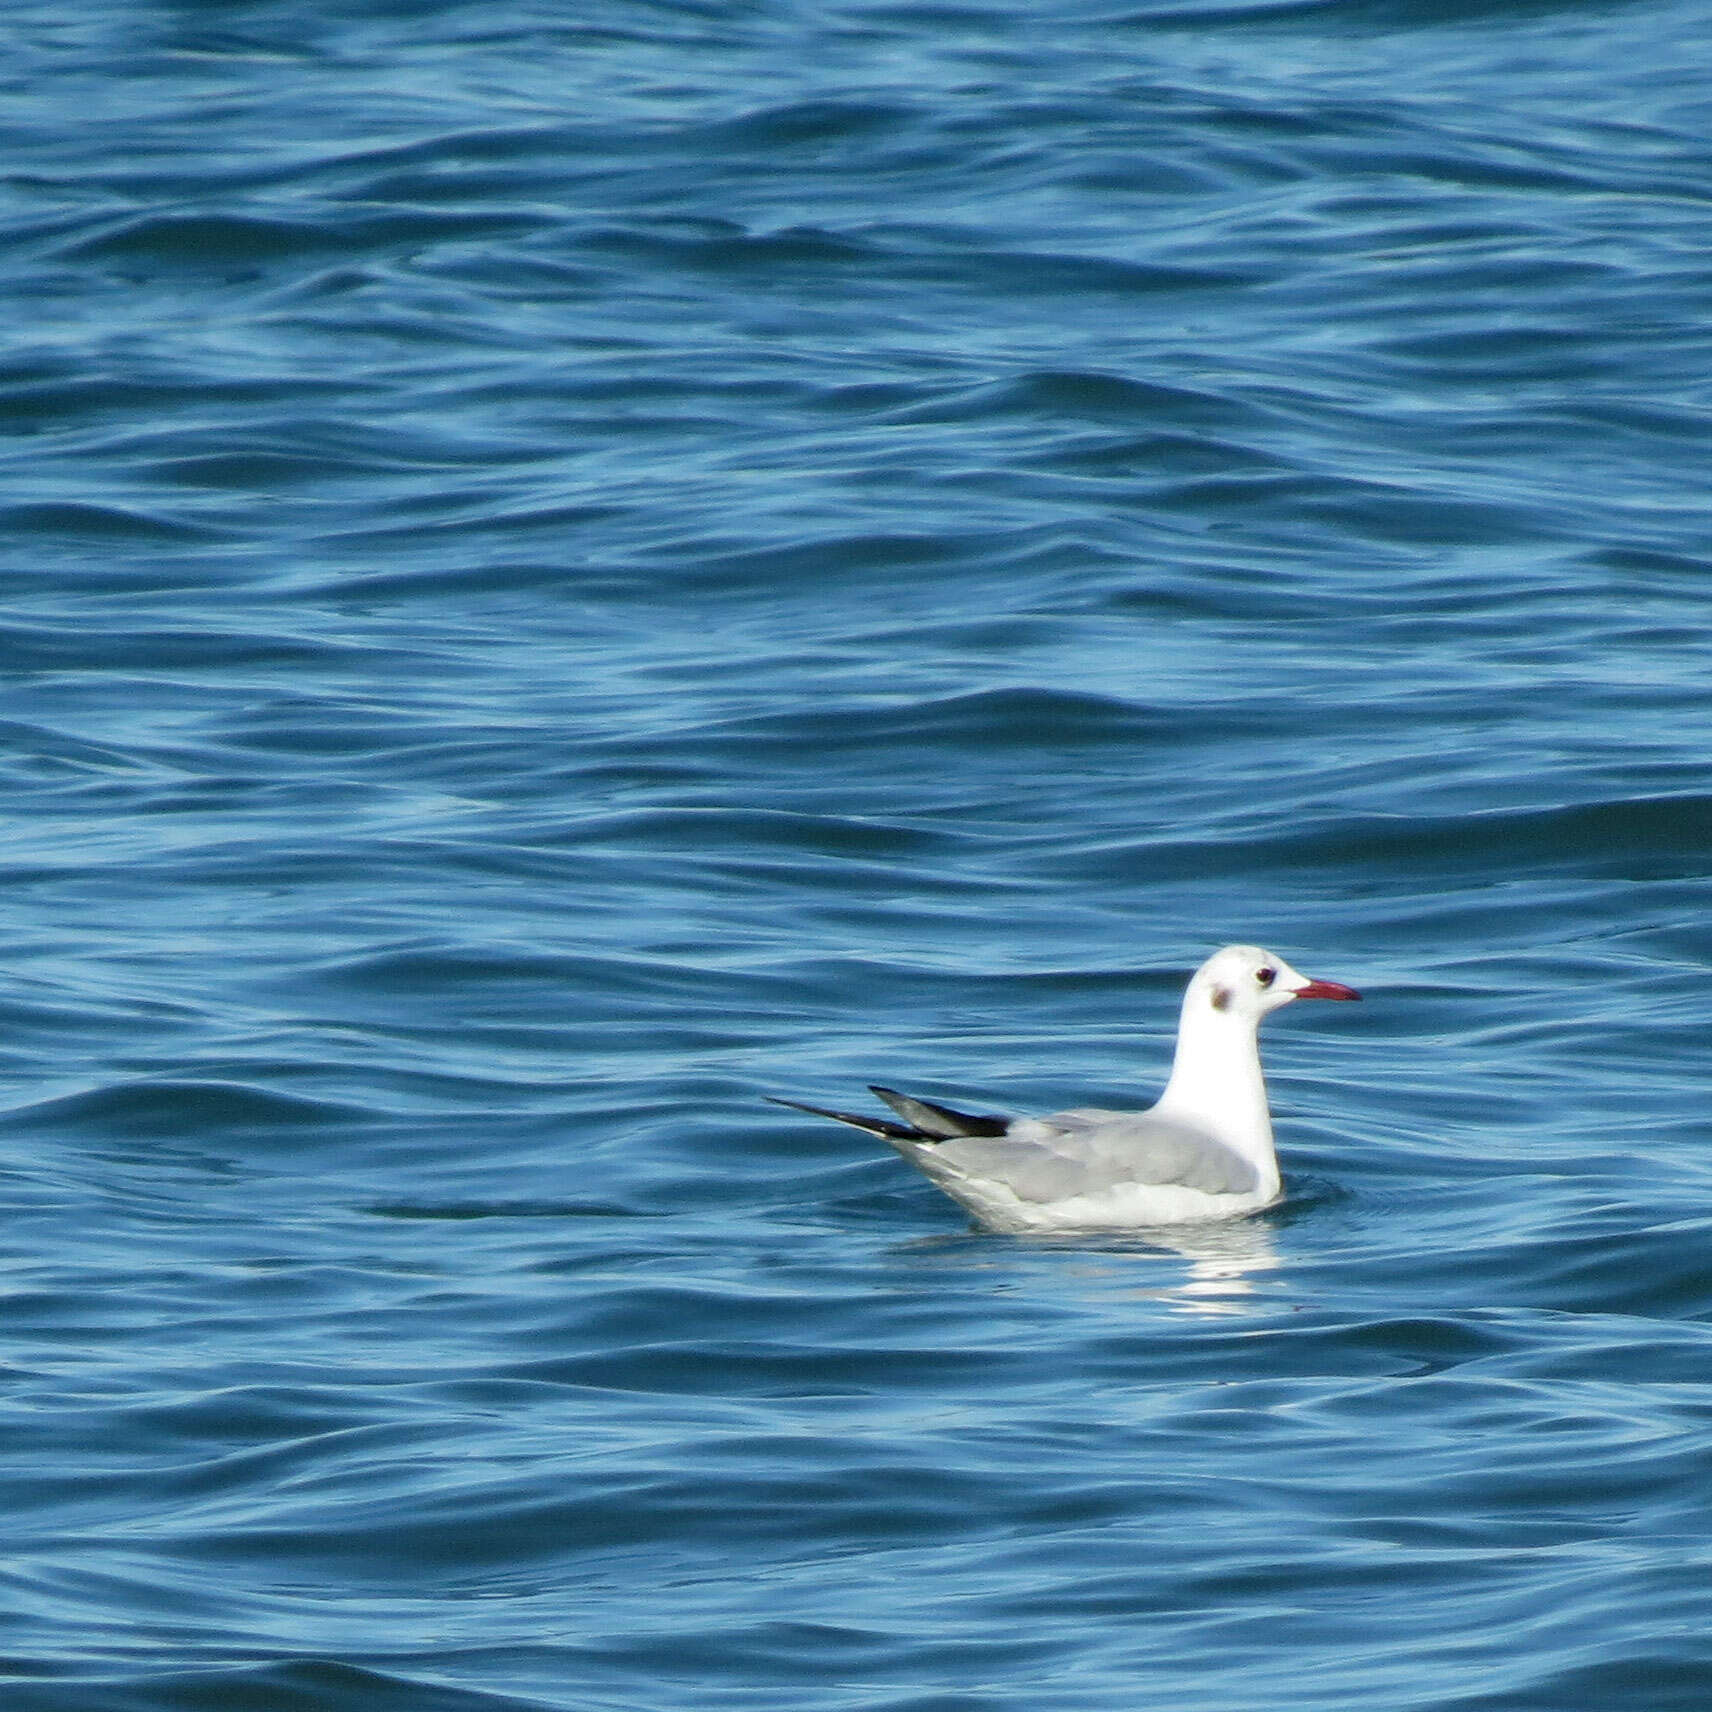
x=1221 y=998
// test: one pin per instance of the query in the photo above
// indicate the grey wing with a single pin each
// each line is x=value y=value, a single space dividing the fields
x=1087 y=1151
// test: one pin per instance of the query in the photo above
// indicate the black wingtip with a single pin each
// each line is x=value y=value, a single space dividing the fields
x=941 y=1123
x=874 y=1126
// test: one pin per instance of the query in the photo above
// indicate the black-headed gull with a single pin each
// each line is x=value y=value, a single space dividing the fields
x=1204 y=1151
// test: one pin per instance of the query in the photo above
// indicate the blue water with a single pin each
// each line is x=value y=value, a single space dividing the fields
x=569 y=568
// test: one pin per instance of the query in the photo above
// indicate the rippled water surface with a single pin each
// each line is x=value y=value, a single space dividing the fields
x=573 y=567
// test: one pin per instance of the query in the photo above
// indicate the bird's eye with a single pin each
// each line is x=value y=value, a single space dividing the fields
x=1266 y=976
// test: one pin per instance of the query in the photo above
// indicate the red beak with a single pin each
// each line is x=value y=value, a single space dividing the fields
x=1326 y=990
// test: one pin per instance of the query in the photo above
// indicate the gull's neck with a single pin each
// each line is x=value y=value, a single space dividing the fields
x=1216 y=1082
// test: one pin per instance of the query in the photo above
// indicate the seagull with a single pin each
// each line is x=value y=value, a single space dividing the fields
x=1203 y=1151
